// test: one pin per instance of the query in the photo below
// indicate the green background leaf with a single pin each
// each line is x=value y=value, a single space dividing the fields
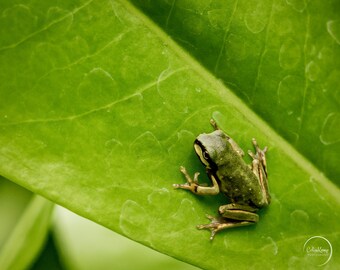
x=99 y=107
x=83 y=244
x=24 y=227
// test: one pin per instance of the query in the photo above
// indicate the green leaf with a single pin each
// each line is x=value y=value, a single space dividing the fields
x=99 y=108
x=13 y=201
x=26 y=237
x=281 y=57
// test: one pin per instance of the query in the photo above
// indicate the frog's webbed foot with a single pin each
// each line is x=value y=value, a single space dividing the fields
x=232 y=215
x=220 y=223
x=191 y=184
x=194 y=187
x=214 y=226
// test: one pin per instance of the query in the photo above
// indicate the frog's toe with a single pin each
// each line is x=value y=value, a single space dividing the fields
x=176 y=185
x=188 y=186
x=212 y=235
x=183 y=170
x=213 y=227
x=214 y=224
x=213 y=219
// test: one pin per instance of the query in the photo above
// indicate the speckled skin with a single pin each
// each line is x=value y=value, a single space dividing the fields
x=235 y=178
x=246 y=186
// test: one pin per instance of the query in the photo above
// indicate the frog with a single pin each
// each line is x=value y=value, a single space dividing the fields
x=246 y=186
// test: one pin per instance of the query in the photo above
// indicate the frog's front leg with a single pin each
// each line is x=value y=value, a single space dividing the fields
x=194 y=187
x=232 y=215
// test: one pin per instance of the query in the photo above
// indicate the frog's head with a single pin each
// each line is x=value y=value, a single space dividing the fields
x=211 y=147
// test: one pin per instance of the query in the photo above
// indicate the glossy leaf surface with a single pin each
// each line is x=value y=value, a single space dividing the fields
x=281 y=57
x=99 y=108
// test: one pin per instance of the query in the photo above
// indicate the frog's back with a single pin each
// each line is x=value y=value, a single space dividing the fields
x=240 y=184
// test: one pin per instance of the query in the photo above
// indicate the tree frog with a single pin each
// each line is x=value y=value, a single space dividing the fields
x=245 y=185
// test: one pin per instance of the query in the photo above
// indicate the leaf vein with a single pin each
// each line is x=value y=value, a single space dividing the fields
x=302 y=112
x=264 y=50
x=170 y=13
x=82 y=59
x=46 y=27
x=101 y=108
x=225 y=37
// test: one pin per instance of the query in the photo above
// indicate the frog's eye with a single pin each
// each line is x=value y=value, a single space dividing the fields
x=202 y=153
x=205 y=155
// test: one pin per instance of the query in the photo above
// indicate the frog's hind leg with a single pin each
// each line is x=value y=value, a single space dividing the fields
x=260 y=156
x=239 y=212
x=232 y=215
x=259 y=168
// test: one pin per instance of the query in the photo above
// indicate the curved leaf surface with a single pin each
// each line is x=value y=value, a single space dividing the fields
x=280 y=57
x=99 y=108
